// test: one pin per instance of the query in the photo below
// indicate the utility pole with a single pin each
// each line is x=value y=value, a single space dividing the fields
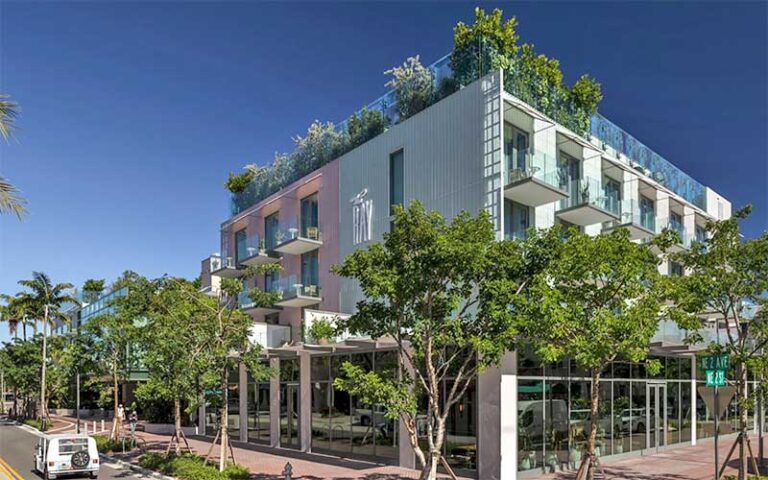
x=2 y=391
x=77 y=396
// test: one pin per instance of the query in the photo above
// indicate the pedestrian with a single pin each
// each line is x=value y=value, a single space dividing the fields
x=119 y=418
x=133 y=419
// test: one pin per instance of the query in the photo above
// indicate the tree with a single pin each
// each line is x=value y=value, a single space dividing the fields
x=727 y=277
x=116 y=334
x=21 y=362
x=598 y=299
x=412 y=83
x=440 y=290
x=487 y=45
x=227 y=329
x=46 y=299
x=10 y=201
x=174 y=361
x=92 y=289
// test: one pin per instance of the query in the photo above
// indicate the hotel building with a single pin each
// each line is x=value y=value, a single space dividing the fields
x=480 y=148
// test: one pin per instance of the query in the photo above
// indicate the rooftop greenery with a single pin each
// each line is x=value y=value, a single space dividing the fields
x=489 y=44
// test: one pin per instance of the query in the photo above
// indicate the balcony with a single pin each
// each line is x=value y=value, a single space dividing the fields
x=254 y=252
x=293 y=239
x=684 y=242
x=297 y=294
x=641 y=224
x=587 y=205
x=226 y=267
x=535 y=185
x=249 y=306
x=269 y=335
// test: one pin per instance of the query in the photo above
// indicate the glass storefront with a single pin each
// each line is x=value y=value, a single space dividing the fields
x=636 y=412
x=258 y=411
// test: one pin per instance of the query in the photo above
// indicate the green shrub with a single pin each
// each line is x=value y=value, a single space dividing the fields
x=35 y=423
x=105 y=445
x=237 y=472
x=191 y=467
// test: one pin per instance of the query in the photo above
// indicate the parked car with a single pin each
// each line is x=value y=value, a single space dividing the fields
x=63 y=455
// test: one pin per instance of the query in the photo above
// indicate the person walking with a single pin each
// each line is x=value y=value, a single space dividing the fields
x=120 y=418
x=133 y=419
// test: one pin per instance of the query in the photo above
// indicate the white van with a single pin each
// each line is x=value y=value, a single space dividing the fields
x=67 y=454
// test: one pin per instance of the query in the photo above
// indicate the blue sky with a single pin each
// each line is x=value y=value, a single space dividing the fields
x=133 y=113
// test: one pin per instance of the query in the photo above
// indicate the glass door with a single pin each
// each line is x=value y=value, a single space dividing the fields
x=309 y=218
x=289 y=415
x=656 y=415
x=516 y=150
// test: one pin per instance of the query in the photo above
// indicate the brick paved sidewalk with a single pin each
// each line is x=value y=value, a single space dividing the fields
x=684 y=463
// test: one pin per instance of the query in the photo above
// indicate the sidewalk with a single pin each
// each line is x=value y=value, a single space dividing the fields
x=683 y=463
x=267 y=464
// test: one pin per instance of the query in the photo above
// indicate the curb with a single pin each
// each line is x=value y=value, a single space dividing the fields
x=144 y=471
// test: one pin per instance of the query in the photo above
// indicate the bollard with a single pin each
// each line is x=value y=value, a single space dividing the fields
x=85 y=428
x=94 y=426
x=102 y=424
x=288 y=471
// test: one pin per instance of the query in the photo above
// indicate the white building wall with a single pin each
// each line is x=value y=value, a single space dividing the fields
x=452 y=162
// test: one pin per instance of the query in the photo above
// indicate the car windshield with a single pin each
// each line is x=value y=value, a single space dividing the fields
x=68 y=446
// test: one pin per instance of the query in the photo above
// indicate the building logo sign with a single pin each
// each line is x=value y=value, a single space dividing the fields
x=362 y=216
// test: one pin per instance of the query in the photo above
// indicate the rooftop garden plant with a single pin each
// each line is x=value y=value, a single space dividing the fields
x=489 y=44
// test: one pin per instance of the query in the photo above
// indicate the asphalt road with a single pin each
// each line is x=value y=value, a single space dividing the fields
x=17 y=447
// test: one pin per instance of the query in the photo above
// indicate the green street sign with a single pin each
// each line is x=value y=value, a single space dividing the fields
x=715 y=378
x=716 y=362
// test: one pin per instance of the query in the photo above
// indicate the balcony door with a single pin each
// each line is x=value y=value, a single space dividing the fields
x=309 y=220
x=516 y=146
x=647 y=213
x=241 y=245
x=516 y=220
x=271 y=225
x=612 y=192
x=310 y=273
x=569 y=174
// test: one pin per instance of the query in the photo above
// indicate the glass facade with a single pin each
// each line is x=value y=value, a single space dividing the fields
x=554 y=415
x=258 y=411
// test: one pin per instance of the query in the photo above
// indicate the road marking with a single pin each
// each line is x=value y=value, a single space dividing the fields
x=13 y=474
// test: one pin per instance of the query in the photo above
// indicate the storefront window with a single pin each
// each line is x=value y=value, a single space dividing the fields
x=530 y=423
x=673 y=413
x=461 y=431
x=556 y=423
x=321 y=415
x=638 y=420
x=622 y=432
x=258 y=411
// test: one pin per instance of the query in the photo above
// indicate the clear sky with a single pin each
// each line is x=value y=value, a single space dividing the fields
x=134 y=112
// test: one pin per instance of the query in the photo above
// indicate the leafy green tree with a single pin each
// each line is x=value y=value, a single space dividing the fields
x=10 y=201
x=412 y=83
x=365 y=126
x=728 y=277
x=92 y=289
x=47 y=300
x=116 y=334
x=175 y=341
x=598 y=299
x=440 y=290
x=487 y=45
x=21 y=361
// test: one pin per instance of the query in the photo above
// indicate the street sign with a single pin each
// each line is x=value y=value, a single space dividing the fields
x=715 y=378
x=716 y=362
x=708 y=394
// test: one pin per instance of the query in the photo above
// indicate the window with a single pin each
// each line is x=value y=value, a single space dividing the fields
x=701 y=234
x=516 y=220
x=675 y=269
x=272 y=281
x=270 y=230
x=676 y=222
x=310 y=271
x=647 y=213
x=309 y=220
x=395 y=180
x=612 y=191
x=241 y=245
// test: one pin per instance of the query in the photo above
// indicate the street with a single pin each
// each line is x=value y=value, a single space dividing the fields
x=17 y=447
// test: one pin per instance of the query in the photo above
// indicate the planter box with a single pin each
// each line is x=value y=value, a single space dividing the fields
x=165 y=429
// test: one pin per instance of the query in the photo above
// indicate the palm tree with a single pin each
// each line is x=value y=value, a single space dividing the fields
x=18 y=310
x=47 y=299
x=10 y=201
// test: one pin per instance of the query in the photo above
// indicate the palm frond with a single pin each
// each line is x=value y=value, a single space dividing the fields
x=10 y=200
x=9 y=110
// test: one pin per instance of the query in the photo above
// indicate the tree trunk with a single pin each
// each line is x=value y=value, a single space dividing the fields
x=116 y=420
x=743 y=423
x=591 y=443
x=42 y=374
x=177 y=423
x=224 y=422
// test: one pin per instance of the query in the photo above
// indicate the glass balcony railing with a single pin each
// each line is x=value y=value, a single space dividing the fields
x=515 y=235
x=588 y=191
x=251 y=246
x=226 y=260
x=292 y=229
x=633 y=214
x=532 y=163
x=665 y=224
x=292 y=287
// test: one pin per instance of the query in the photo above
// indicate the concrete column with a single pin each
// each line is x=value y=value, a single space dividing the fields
x=497 y=421
x=630 y=197
x=243 y=410
x=693 y=401
x=305 y=403
x=662 y=221
x=274 y=403
x=689 y=224
x=201 y=416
